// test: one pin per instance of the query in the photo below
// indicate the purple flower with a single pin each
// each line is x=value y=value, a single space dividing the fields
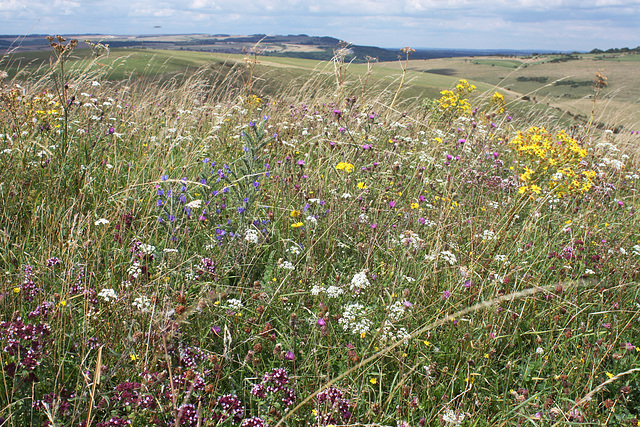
x=392 y=204
x=446 y=294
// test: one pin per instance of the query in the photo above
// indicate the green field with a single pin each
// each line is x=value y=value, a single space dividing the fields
x=567 y=86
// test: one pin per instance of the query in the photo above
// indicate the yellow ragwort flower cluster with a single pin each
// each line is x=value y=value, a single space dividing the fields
x=456 y=102
x=347 y=167
x=555 y=163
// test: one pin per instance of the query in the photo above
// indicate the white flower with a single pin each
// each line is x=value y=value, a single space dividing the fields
x=195 y=204
x=334 y=291
x=452 y=419
x=410 y=240
x=95 y=83
x=449 y=257
x=396 y=311
x=312 y=221
x=135 y=270
x=487 y=235
x=540 y=350
x=142 y=303
x=286 y=265
x=170 y=251
x=234 y=304
x=316 y=290
x=102 y=221
x=360 y=281
x=108 y=295
x=146 y=249
x=252 y=236
x=294 y=250
x=635 y=250
x=501 y=258
x=346 y=196
x=589 y=272
x=354 y=318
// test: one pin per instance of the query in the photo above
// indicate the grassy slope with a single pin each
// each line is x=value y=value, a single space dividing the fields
x=619 y=101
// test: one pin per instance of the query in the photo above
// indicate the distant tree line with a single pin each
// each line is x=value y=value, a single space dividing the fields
x=618 y=50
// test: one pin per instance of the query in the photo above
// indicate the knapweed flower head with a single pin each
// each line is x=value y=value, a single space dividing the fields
x=555 y=163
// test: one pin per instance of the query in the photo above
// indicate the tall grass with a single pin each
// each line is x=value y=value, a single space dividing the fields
x=200 y=254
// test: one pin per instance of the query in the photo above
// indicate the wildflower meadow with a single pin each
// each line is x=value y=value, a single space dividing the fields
x=200 y=253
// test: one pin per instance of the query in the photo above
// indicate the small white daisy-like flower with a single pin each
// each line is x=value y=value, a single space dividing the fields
x=102 y=221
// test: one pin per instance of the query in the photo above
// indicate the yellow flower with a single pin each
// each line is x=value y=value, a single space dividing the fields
x=414 y=206
x=133 y=357
x=362 y=185
x=347 y=167
x=609 y=374
x=62 y=303
x=295 y=214
x=297 y=225
x=373 y=381
x=16 y=290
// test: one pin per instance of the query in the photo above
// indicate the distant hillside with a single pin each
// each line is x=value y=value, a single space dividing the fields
x=293 y=46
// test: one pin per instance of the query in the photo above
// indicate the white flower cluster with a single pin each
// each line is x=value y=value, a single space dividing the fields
x=146 y=249
x=363 y=218
x=142 y=303
x=396 y=311
x=354 y=318
x=501 y=259
x=194 y=204
x=411 y=240
x=331 y=291
x=252 y=236
x=452 y=419
x=390 y=334
x=286 y=265
x=108 y=295
x=486 y=235
x=449 y=257
x=428 y=223
x=613 y=163
x=135 y=270
x=294 y=250
x=234 y=304
x=360 y=281
x=311 y=221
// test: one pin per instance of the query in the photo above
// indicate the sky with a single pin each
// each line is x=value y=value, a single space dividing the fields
x=567 y=25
